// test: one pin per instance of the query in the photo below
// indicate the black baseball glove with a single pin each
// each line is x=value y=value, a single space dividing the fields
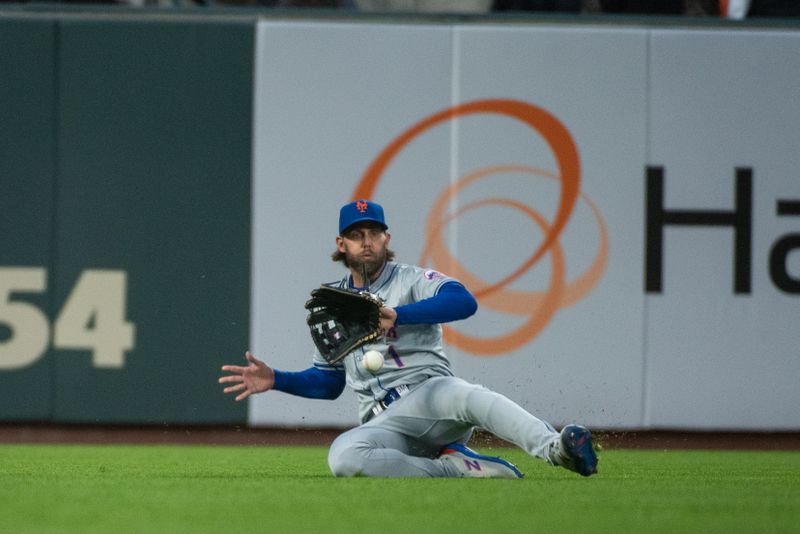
x=341 y=320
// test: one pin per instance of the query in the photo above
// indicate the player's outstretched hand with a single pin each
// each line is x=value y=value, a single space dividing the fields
x=256 y=377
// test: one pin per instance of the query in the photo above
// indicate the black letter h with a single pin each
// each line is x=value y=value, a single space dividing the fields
x=658 y=217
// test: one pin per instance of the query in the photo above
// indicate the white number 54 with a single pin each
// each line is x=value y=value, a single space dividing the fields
x=93 y=318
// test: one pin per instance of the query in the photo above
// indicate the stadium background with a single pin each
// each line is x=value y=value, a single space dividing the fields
x=143 y=148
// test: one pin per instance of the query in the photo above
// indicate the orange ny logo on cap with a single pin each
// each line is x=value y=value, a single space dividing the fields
x=362 y=206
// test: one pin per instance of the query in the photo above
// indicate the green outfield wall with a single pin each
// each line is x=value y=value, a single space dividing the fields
x=125 y=209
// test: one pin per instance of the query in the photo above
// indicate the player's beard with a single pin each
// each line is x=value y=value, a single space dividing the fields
x=372 y=265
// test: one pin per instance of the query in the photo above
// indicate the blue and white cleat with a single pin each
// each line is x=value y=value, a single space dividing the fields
x=577 y=451
x=471 y=464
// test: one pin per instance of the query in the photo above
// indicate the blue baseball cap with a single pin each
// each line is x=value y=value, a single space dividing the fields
x=360 y=211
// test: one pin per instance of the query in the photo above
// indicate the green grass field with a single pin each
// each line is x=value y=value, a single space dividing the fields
x=118 y=489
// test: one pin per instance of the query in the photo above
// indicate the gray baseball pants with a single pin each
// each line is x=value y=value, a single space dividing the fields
x=405 y=439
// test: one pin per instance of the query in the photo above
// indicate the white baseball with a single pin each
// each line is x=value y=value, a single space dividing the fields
x=372 y=361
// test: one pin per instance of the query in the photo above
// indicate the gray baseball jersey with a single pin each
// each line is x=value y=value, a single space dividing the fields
x=412 y=353
x=438 y=408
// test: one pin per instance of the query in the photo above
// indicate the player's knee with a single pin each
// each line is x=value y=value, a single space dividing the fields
x=344 y=460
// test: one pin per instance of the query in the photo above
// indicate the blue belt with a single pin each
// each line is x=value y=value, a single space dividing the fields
x=392 y=395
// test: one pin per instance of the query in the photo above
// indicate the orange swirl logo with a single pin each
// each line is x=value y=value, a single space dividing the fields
x=538 y=307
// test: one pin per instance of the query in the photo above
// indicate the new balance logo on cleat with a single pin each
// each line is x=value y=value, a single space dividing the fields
x=471 y=464
x=577 y=451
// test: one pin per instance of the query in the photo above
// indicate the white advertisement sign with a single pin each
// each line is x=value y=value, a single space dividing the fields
x=718 y=356
x=515 y=159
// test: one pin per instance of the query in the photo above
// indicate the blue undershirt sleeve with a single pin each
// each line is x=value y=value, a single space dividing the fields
x=311 y=383
x=452 y=302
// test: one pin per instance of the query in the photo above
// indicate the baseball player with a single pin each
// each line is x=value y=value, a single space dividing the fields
x=416 y=417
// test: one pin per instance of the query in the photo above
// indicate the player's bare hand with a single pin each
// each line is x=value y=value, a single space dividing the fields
x=256 y=377
x=388 y=316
